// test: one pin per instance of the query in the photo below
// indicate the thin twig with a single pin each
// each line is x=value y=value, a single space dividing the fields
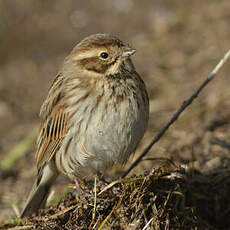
x=178 y=112
x=95 y=199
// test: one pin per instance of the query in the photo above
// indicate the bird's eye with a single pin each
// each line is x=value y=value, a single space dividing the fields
x=104 y=55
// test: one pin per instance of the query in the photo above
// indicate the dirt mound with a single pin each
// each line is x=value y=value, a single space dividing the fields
x=177 y=199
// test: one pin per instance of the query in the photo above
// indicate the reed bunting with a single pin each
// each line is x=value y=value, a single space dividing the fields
x=94 y=116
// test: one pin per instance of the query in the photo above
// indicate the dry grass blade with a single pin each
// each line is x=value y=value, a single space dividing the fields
x=106 y=219
x=22 y=227
x=18 y=151
x=56 y=215
x=146 y=226
x=129 y=180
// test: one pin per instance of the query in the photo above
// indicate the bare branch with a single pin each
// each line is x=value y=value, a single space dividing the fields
x=178 y=112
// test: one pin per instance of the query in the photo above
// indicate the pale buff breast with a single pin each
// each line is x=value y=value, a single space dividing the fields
x=107 y=128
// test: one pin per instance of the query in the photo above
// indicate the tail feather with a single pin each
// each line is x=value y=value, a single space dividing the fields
x=40 y=190
x=37 y=199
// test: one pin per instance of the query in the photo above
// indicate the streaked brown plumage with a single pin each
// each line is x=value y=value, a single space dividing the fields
x=94 y=116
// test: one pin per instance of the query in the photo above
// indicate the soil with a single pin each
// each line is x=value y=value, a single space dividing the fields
x=183 y=182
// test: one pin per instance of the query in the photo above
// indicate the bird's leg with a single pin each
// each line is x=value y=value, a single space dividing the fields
x=78 y=188
x=101 y=177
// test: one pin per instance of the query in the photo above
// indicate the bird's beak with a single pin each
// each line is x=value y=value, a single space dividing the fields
x=127 y=51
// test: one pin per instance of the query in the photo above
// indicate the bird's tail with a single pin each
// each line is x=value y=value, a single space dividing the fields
x=39 y=192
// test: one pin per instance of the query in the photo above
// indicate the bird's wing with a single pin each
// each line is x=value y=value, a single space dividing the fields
x=54 y=122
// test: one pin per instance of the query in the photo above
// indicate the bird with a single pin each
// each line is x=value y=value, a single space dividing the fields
x=94 y=116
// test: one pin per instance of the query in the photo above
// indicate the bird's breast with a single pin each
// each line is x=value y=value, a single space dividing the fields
x=107 y=125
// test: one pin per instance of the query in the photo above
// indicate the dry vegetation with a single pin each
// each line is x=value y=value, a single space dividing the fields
x=185 y=182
